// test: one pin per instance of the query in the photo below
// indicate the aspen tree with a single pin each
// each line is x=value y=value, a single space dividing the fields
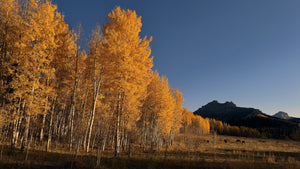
x=149 y=119
x=75 y=87
x=32 y=75
x=129 y=67
x=63 y=64
x=158 y=110
x=200 y=125
x=33 y=62
x=167 y=105
x=178 y=110
x=9 y=26
x=10 y=31
x=96 y=58
x=186 y=118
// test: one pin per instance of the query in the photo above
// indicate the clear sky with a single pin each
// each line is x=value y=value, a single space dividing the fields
x=243 y=51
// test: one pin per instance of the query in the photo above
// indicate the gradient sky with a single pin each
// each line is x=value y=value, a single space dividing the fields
x=247 y=52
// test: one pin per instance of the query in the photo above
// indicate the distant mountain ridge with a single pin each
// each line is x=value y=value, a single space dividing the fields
x=284 y=115
x=249 y=117
x=226 y=111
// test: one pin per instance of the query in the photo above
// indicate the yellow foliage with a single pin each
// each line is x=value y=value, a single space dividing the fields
x=178 y=110
x=186 y=118
x=158 y=109
x=127 y=63
x=200 y=125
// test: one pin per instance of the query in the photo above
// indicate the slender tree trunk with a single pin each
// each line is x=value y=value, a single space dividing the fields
x=153 y=135
x=71 y=118
x=55 y=123
x=92 y=116
x=117 y=143
x=72 y=111
x=97 y=85
x=16 y=127
x=50 y=126
x=87 y=126
x=99 y=148
x=73 y=105
x=14 y=134
x=49 y=132
x=94 y=140
x=104 y=136
x=124 y=140
x=73 y=99
x=104 y=142
x=18 y=130
x=28 y=147
x=86 y=133
x=27 y=120
x=117 y=125
x=171 y=136
x=144 y=135
x=117 y=137
x=61 y=124
x=42 y=128
x=26 y=131
x=43 y=122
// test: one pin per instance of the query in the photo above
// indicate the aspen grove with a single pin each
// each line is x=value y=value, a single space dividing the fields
x=52 y=92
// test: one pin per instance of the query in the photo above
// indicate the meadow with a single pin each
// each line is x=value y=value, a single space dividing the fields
x=187 y=151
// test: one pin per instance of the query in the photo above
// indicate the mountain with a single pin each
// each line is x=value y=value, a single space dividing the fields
x=250 y=117
x=282 y=115
x=227 y=111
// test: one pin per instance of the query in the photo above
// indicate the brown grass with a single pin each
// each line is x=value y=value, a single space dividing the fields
x=188 y=151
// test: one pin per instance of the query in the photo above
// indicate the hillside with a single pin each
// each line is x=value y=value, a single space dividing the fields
x=250 y=117
x=226 y=111
x=294 y=119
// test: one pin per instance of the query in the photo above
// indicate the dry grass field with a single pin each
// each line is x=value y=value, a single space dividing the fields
x=188 y=151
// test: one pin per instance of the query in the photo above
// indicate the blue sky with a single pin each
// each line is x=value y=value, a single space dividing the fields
x=247 y=52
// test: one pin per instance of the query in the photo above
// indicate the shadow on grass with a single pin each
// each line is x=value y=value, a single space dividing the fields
x=50 y=160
